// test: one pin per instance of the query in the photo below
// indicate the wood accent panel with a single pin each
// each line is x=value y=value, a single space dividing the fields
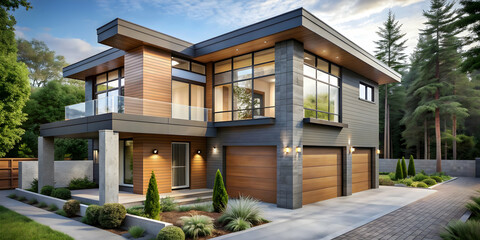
x=361 y=170
x=322 y=174
x=252 y=171
x=209 y=90
x=9 y=172
x=144 y=161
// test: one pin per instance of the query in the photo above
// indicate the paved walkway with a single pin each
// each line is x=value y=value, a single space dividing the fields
x=333 y=217
x=68 y=226
x=423 y=219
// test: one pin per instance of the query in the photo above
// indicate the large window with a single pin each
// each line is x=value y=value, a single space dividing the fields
x=188 y=65
x=245 y=86
x=188 y=101
x=321 y=89
x=365 y=92
x=109 y=84
x=126 y=164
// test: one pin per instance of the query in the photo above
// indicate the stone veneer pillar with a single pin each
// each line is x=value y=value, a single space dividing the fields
x=108 y=166
x=46 y=162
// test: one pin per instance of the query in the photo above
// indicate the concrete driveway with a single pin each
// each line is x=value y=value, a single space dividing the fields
x=333 y=217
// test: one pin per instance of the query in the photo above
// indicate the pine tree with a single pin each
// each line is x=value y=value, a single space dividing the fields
x=411 y=167
x=398 y=171
x=220 y=196
x=390 y=49
x=152 y=201
x=469 y=20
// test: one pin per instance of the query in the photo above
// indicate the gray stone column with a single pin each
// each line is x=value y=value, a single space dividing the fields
x=46 y=162
x=347 y=172
x=289 y=116
x=108 y=166
x=375 y=168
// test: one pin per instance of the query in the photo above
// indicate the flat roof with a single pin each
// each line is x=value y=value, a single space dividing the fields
x=317 y=37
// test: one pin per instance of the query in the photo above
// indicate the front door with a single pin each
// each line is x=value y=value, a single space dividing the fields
x=180 y=165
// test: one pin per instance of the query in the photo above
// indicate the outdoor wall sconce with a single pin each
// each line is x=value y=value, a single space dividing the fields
x=214 y=149
x=287 y=150
x=378 y=151
x=298 y=149
x=352 y=149
x=155 y=151
x=95 y=155
x=199 y=151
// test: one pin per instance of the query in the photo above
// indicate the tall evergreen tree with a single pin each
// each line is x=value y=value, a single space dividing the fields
x=390 y=49
x=469 y=20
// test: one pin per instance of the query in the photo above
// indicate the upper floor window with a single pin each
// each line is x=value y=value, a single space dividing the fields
x=188 y=101
x=321 y=88
x=244 y=86
x=188 y=65
x=110 y=83
x=365 y=92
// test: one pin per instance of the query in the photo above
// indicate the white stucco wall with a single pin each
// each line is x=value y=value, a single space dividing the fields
x=64 y=172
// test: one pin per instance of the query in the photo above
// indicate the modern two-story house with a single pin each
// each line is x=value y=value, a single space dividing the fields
x=286 y=108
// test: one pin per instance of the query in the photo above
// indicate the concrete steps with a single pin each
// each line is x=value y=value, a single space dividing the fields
x=181 y=197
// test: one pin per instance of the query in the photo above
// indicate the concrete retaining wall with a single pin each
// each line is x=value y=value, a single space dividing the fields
x=48 y=200
x=64 y=172
x=457 y=168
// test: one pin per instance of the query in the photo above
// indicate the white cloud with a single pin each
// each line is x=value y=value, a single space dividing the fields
x=73 y=49
x=21 y=32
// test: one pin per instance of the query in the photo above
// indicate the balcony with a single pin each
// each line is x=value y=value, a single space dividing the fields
x=135 y=106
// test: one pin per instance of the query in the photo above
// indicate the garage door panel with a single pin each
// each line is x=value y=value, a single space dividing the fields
x=361 y=170
x=317 y=183
x=360 y=177
x=320 y=195
x=256 y=183
x=263 y=195
x=317 y=172
x=257 y=172
x=252 y=161
x=362 y=167
x=360 y=186
x=325 y=160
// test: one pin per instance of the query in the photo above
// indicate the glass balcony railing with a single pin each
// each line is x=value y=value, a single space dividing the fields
x=136 y=106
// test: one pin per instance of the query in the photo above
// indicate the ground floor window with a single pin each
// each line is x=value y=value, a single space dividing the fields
x=126 y=161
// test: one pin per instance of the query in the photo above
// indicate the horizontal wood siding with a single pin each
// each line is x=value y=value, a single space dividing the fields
x=252 y=171
x=322 y=174
x=361 y=170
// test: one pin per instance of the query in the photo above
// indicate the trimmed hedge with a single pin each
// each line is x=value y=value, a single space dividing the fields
x=437 y=179
x=171 y=233
x=112 y=215
x=81 y=183
x=62 y=193
x=419 y=185
x=92 y=214
x=419 y=177
x=429 y=182
x=47 y=190
x=71 y=207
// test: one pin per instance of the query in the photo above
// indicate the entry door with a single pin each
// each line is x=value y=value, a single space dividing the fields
x=180 y=165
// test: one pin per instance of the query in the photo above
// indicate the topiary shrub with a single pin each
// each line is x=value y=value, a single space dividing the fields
x=398 y=171
x=404 y=168
x=461 y=230
x=152 y=201
x=429 y=182
x=92 y=214
x=411 y=167
x=419 y=177
x=197 y=226
x=47 y=190
x=62 y=193
x=420 y=185
x=171 y=233
x=437 y=179
x=220 y=196
x=71 y=207
x=112 y=215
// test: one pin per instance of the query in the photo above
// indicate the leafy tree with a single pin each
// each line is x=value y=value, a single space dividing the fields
x=14 y=89
x=469 y=20
x=391 y=50
x=42 y=62
x=220 y=196
x=411 y=167
x=398 y=171
x=152 y=201
x=404 y=168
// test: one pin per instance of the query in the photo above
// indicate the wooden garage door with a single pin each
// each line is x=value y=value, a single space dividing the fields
x=361 y=170
x=252 y=171
x=322 y=174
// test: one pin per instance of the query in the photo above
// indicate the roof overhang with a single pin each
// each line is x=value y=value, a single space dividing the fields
x=99 y=63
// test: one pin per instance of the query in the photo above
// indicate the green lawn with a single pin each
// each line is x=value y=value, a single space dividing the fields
x=16 y=226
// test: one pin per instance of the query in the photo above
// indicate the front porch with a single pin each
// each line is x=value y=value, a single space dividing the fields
x=129 y=199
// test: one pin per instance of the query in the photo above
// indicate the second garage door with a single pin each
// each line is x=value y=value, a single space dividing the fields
x=361 y=170
x=322 y=174
x=252 y=171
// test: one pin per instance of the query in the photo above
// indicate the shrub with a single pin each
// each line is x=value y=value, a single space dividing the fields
x=136 y=231
x=246 y=208
x=42 y=205
x=404 y=168
x=167 y=204
x=220 y=196
x=423 y=172
x=33 y=201
x=419 y=177
x=47 y=190
x=12 y=196
x=474 y=206
x=429 y=182
x=407 y=181
x=152 y=204
x=197 y=225
x=437 y=179
x=52 y=207
x=21 y=198
x=386 y=182
x=92 y=214
x=112 y=215
x=62 y=193
x=398 y=171
x=198 y=207
x=462 y=230
x=238 y=225
x=81 y=183
x=137 y=210
x=34 y=186
x=411 y=167
x=171 y=233
x=419 y=185
x=391 y=176
x=71 y=207
x=61 y=212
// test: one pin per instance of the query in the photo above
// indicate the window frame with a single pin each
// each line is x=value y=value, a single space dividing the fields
x=190 y=83
x=120 y=88
x=189 y=65
x=232 y=82
x=367 y=87
x=339 y=86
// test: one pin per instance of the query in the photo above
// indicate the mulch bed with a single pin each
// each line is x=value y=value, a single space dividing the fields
x=173 y=217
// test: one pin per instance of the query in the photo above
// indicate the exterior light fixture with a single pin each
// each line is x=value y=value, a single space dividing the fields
x=352 y=149
x=214 y=149
x=95 y=155
x=199 y=151
x=155 y=151
x=287 y=150
x=298 y=149
x=378 y=151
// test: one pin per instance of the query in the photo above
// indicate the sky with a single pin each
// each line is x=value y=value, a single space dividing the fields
x=69 y=26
